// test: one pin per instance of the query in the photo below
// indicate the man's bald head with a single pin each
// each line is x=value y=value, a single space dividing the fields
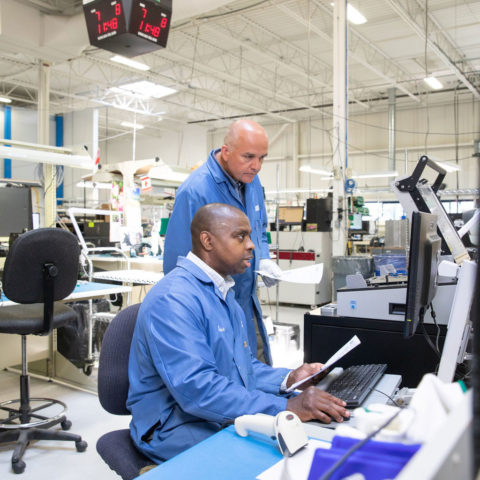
x=240 y=128
x=244 y=149
x=221 y=238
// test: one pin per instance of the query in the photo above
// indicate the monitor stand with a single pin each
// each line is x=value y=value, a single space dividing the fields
x=458 y=331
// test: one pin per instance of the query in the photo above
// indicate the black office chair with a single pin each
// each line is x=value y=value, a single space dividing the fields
x=116 y=448
x=41 y=268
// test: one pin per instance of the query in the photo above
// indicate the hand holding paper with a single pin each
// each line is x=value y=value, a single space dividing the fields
x=351 y=344
x=270 y=272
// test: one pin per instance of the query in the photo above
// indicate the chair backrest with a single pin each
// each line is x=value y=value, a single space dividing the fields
x=113 y=363
x=24 y=271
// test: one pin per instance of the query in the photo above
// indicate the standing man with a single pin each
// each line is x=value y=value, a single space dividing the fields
x=191 y=370
x=230 y=176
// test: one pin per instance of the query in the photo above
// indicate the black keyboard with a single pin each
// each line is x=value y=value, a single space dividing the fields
x=356 y=382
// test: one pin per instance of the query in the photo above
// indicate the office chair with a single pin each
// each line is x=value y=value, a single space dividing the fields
x=116 y=448
x=41 y=268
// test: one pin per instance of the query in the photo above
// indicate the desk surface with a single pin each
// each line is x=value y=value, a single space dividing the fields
x=227 y=455
x=84 y=291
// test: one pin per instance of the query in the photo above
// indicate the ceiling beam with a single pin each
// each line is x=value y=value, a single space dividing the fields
x=411 y=12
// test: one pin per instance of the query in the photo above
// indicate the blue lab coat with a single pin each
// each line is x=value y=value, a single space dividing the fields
x=208 y=184
x=191 y=368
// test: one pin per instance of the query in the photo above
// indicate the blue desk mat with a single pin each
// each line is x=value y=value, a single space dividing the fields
x=80 y=288
x=224 y=455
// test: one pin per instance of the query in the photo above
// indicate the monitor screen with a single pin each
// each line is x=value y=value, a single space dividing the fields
x=425 y=248
x=15 y=210
x=290 y=215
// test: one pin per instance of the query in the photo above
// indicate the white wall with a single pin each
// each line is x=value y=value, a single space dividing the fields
x=420 y=130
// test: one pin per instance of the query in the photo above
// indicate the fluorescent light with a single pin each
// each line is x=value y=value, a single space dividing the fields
x=76 y=160
x=353 y=15
x=433 y=82
x=5 y=100
x=90 y=184
x=449 y=167
x=136 y=126
x=309 y=169
x=376 y=175
x=145 y=89
x=130 y=63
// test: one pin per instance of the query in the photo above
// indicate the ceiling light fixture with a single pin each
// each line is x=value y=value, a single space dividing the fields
x=375 y=175
x=5 y=100
x=145 y=89
x=136 y=126
x=130 y=63
x=353 y=15
x=309 y=169
x=433 y=82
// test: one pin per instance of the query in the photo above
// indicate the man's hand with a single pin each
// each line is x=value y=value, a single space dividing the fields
x=271 y=268
x=315 y=404
x=305 y=371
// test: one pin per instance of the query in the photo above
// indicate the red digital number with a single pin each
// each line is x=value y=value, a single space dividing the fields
x=156 y=31
x=163 y=22
x=98 y=14
x=114 y=23
x=144 y=12
x=118 y=9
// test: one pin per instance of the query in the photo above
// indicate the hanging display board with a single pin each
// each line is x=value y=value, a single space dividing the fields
x=128 y=27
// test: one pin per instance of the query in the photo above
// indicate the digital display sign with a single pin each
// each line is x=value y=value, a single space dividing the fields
x=104 y=20
x=150 y=21
x=128 y=27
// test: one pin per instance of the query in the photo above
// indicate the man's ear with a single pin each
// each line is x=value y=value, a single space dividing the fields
x=206 y=240
x=225 y=152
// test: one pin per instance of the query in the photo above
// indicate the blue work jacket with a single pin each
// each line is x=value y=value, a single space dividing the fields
x=191 y=368
x=209 y=184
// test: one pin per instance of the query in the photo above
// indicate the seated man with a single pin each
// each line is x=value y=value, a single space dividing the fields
x=191 y=369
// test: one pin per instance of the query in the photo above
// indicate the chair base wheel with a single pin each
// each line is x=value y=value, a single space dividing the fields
x=81 y=446
x=18 y=467
x=66 y=425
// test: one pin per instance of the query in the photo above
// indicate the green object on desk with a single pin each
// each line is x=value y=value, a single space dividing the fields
x=163 y=226
x=269 y=238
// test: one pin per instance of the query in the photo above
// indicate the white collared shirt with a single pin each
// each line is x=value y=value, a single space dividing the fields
x=223 y=284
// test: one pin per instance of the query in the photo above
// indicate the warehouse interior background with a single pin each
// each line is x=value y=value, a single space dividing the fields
x=271 y=61
x=278 y=62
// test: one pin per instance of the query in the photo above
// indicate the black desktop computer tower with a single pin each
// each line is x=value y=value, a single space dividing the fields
x=319 y=213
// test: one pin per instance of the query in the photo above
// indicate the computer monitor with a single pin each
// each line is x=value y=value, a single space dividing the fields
x=15 y=210
x=288 y=215
x=425 y=248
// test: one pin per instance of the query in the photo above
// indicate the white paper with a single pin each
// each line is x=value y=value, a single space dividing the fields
x=351 y=344
x=297 y=466
x=311 y=274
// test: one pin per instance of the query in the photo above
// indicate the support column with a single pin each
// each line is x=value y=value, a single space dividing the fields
x=392 y=164
x=49 y=176
x=339 y=125
x=7 y=134
x=296 y=173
